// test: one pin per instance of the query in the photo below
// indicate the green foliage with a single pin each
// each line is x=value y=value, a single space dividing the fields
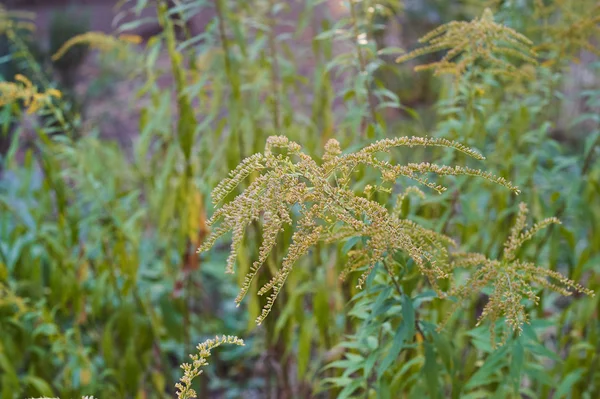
x=104 y=294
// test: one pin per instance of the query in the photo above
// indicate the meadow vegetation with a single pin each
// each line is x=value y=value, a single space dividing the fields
x=400 y=218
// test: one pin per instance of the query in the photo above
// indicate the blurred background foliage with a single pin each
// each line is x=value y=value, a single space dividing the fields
x=102 y=291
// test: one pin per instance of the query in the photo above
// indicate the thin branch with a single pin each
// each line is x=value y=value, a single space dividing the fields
x=400 y=292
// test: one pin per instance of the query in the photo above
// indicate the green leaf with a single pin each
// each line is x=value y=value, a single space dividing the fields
x=405 y=331
x=350 y=94
x=479 y=394
x=383 y=390
x=535 y=347
x=371 y=131
x=591 y=141
x=390 y=51
x=7 y=366
x=490 y=368
x=107 y=340
x=350 y=388
x=444 y=349
x=567 y=383
x=328 y=34
x=569 y=237
x=430 y=369
x=424 y=296
x=350 y=243
x=539 y=373
x=370 y=362
x=381 y=305
x=41 y=386
x=48 y=329
x=304 y=346
x=516 y=365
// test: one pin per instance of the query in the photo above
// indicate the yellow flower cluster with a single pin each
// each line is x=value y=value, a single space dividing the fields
x=199 y=360
x=512 y=280
x=24 y=90
x=570 y=26
x=98 y=40
x=467 y=43
x=289 y=179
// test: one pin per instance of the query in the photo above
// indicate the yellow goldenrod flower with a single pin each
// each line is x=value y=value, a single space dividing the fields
x=512 y=280
x=193 y=370
x=24 y=90
x=468 y=42
x=329 y=211
x=97 y=40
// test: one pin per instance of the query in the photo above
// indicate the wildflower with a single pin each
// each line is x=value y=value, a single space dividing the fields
x=468 y=42
x=568 y=28
x=328 y=210
x=24 y=90
x=97 y=40
x=193 y=370
x=512 y=280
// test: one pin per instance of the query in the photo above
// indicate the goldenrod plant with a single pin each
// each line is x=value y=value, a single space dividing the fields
x=328 y=210
x=568 y=27
x=23 y=90
x=26 y=57
x=193 y=370
x=481 y=40
x=512 y=280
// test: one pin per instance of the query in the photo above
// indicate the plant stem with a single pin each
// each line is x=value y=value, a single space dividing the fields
x=400 y=292
x=231 y=77
x=274 y=65
x=224 y=42
x=362 y=62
